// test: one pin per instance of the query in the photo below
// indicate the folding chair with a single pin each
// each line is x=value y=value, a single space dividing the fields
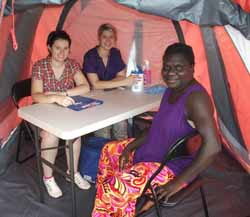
x=179 y=148
x=20 y=90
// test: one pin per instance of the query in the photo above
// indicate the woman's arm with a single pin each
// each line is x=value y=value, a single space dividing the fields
x=61 y=98
x=120 y=75
x=118 y=81
x=199 y=110
x=82 y=85
x=37 y=93
x=123 y=160
x=39 y=96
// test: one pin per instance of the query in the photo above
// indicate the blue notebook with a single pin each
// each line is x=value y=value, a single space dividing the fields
x=82 y=102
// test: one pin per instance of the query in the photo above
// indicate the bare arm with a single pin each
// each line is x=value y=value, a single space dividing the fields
x=82 y=85
x=123 y=160
x=200 y=111
x=118 y=81
x=59 y=97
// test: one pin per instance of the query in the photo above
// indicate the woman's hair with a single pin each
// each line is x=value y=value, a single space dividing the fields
x=57 y=34
x=106 y=27
x=180 y=48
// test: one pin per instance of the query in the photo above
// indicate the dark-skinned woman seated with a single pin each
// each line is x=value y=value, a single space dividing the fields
x=125 y=166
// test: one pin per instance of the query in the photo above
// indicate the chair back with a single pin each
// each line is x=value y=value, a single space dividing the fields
x=20 y=90
x=183 y=146
x=178 y=149
x=175 y=151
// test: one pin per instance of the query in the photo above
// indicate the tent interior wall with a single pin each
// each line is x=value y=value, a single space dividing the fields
x=154 y=34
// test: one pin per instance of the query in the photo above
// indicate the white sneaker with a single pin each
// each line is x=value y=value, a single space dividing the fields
x=80 y=181
x=52 y=188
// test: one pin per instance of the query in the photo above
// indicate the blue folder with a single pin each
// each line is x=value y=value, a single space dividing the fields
x=82 y=102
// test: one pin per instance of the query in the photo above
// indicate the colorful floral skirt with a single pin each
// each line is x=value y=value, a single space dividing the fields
x=117 y=191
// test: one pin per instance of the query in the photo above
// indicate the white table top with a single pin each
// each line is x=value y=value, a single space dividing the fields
x=68 y=124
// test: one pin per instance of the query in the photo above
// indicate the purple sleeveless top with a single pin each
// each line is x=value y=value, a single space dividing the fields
x=169 y=124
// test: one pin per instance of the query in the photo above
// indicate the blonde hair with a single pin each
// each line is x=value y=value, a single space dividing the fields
x=106 y=27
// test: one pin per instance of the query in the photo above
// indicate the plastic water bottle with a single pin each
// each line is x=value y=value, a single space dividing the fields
x=147 y=73
x=138 y=84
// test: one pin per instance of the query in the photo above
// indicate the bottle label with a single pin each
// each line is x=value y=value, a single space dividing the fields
x=138 y=84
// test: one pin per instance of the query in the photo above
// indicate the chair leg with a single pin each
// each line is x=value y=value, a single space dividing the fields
x=131 y=132
x=20 y=136
x=73 y=192
x=204 y=202
x=39 y=165
x=18 y=144
x=157 y=205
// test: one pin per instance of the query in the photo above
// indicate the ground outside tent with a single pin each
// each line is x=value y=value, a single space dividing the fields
x=217 y=30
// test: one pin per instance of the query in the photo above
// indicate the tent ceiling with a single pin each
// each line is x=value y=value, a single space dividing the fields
x=26 y=4
x=202 y=12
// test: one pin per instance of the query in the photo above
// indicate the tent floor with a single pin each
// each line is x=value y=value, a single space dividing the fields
x=227 y=193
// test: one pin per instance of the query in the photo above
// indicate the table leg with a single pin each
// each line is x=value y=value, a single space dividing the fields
x=39 y=165
x=71 y=162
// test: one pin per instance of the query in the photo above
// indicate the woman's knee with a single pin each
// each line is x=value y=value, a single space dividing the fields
x=48 y=139
x=110 y=145
x=117 y=146
x=76 y=141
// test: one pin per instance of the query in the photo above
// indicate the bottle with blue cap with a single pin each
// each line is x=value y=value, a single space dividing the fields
x=138 y=84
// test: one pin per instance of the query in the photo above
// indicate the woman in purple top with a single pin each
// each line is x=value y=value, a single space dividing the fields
x=105 y=69
x=125 y=166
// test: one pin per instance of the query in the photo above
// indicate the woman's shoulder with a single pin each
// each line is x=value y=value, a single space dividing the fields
x=115 y=50
x=41 y=62
x=195 y=88
x=73 y=63
x=198 y=92
x=198 y=86
x=91 y=52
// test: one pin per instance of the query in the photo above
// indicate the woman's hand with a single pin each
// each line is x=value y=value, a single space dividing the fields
x=129 y=80
x=64 y=100
x=169 y=189
x=55 y=93
x=123 y=159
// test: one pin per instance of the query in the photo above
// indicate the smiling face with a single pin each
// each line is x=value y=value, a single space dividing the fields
x=107 y=39
x=177 y=72
x=59 y=51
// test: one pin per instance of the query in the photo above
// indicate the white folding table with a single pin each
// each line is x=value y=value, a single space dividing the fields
x=68 y=124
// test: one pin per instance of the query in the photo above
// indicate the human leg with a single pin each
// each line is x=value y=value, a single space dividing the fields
x=108 y=163
x=120 y=130
x=76 y=152
x=117 y=194
x=48 y=141
x=79 y=181
x=109 y=158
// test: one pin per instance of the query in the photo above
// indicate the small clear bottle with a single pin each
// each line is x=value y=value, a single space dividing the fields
x=147 y=73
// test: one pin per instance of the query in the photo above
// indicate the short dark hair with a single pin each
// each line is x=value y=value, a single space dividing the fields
x=57 y=34
x=106 y=27
x=180 y=48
